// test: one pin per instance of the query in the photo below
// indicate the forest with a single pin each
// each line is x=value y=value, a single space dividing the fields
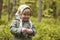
x=45 y=17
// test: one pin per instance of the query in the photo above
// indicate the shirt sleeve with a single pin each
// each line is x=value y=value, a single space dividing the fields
x=34 y=30
x=14 y=29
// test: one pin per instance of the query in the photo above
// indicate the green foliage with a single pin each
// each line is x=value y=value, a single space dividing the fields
x=47 y=29
x=46 y=12
x=5 y=28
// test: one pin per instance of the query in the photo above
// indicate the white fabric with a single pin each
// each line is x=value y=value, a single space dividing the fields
x=17 y=16
x=22 y=7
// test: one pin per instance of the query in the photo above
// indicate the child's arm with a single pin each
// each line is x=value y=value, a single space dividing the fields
x=14 y=29
x=34 y=30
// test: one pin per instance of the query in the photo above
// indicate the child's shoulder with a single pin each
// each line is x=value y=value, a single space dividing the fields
x=14 y=21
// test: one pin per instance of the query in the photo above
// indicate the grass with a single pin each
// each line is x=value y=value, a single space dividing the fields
x=47 y=29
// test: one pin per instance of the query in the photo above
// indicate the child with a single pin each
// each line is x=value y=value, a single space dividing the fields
x=22 y=28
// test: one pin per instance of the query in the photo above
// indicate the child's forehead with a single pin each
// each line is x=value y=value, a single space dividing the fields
x=27 y=10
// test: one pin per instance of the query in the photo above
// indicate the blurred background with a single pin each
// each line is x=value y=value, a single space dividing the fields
x=45 y=17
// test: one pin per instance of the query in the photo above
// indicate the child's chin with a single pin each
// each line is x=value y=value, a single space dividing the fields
x=25 y=20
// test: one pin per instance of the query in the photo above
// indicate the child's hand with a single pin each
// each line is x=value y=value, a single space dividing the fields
x=24 y=30
x=29 y=31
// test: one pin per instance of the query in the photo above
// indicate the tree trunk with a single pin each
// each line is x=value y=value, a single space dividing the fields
x=9 y=11
x=13 y=9
x=40 y=11
x=1 y=4
x=54 y=9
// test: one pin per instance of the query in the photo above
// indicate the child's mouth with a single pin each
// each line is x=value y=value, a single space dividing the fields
x=25 y=18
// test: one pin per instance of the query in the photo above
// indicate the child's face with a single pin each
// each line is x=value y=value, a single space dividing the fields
x=25 y=15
